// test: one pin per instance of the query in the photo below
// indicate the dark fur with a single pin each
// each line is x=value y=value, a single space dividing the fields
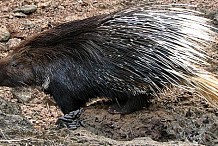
x=100 y=56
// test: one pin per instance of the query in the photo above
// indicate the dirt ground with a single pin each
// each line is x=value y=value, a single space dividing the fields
x=28 y=117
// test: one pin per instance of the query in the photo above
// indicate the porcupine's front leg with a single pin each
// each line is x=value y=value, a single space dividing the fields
x=70 y=106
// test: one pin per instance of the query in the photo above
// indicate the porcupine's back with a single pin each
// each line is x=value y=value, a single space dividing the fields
x=155 y=48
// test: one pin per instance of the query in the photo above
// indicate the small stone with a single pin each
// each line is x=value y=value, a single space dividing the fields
x=11 y=17
x=95 y=2
x=13 y=42
x=27 y=9
x=19 y=14
x=5 y=9
x=4 y=34
x=80 y=1
x=3 y=47
x=28 y=24
x=71 y=18
x=23 y=95
x=216 y=16
x=61 y=7
x=8 y=107
x=84 y=4
x=44 y=5
x=102 y=6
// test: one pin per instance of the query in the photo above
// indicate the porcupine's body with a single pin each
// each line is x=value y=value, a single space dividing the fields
x=126 y=56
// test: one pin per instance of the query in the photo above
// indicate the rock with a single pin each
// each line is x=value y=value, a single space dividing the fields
x=14 y=125
x=95 y=2
x=27 y=24
x=44 y=5
x=213 y=15
x=19 y=14
x=23 y=95
x=5 y=9
x=11 y=16
x=3 y=47
x=27 y=9
x=61 y=7
x=13 y=42
x=4 y=34
x=102 y=6
x=8 y=107
x=71 y=18
x=216 y=16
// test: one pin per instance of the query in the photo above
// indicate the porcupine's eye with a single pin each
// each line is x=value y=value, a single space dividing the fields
x=14 y=65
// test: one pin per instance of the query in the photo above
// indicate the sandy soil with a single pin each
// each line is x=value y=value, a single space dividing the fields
x=28 y=117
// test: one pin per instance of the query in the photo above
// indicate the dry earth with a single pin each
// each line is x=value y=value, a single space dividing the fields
x=28 y=117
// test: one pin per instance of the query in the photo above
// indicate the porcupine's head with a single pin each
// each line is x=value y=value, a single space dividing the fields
x=16 y=69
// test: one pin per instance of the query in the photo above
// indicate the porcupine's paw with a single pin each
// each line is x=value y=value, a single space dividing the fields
x=71 y=120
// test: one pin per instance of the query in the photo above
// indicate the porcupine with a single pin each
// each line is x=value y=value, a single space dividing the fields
x=127 y=56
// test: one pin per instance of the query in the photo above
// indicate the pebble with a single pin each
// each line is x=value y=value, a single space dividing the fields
x=44 y=5
x=8 y=107
x=5 y=9
x=4 y=34
x=13 y=42
x=19 y=14
x=28 y=24
x=3 y=47
x=71 y=18
x=102 y=6
x=27 y=9
x=61 y=7
x=11 y=16
x=95 y=1
x=216 y=16
x=23 y=95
